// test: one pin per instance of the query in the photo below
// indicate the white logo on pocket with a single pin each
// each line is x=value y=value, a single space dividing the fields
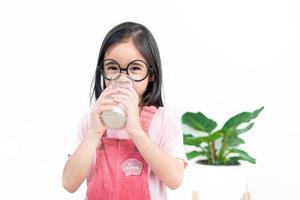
x=132 y=167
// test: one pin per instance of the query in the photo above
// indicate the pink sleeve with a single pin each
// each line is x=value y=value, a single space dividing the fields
x=81 y=131
x=83 y=126
x=173 y=140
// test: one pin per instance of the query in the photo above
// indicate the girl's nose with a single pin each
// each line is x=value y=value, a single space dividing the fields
x=124 y=79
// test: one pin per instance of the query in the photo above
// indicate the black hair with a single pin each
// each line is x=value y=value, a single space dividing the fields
x=146 y=45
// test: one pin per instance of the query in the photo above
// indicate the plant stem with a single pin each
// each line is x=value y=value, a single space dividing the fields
x=208 y=153
x=212 y=150
x=224 y=159
x=223 y=147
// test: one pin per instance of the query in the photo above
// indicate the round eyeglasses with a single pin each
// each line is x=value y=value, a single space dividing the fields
x=138 y=70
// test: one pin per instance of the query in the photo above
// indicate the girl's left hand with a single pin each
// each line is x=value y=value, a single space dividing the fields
x=129 y=98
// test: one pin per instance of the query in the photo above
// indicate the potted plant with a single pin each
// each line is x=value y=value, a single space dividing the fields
x=217 y=172
x=218 y=147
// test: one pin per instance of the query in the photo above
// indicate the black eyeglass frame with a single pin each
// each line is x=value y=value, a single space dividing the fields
x=150 y=69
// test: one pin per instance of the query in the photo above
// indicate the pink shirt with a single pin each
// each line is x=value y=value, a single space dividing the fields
x=165 y=131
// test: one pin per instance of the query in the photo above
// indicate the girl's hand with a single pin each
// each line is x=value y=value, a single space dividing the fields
x=129 y=98
x=103 y=103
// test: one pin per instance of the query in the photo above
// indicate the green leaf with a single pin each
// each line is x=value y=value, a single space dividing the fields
x=243 y=117
x=189 y=139
x=242 y=130
x=242 y=156
x=236 y=159
x=194 y=154
x=198 y=121
x=235 y=141
x=232 y=161
x=212 y=137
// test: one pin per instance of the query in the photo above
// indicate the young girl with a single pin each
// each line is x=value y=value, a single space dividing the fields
x=138 y=161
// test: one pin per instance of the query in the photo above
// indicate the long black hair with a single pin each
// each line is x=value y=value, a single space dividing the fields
x=146 y=45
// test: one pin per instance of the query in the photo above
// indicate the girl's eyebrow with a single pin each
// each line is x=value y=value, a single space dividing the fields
x=110 y=62
x=136 y=63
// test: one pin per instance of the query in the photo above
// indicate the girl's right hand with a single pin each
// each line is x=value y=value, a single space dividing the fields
x=103 y=103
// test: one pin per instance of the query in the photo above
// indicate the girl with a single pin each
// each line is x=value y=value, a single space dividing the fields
x=138 y=161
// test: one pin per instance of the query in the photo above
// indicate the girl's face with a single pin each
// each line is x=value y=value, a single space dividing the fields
x=124 y=53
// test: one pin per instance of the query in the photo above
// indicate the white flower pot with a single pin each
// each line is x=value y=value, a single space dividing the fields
x=212 y=183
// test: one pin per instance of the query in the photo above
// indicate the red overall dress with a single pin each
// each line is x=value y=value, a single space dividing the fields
x=120 y=172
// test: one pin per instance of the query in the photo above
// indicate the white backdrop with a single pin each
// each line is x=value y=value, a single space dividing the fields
x=219 y=57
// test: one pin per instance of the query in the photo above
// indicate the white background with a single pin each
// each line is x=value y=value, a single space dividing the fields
x=219 y=57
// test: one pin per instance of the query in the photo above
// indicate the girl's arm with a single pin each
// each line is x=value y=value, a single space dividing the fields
x=79 y=163
x=169 y=169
